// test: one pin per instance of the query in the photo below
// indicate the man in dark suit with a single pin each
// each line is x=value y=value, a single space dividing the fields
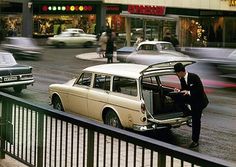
x=194 y=95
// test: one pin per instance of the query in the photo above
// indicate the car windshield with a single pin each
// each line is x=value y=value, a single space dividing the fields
x=165 y=46
x=6 y=59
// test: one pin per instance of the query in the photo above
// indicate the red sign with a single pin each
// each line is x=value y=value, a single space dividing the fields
x=147 y=10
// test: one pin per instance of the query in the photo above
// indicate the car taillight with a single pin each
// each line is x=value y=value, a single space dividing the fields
x=143 y=108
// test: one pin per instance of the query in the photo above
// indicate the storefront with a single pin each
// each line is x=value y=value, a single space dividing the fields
x=11 y=20
x=192 y=27
x=149 y=22
x=51 y=18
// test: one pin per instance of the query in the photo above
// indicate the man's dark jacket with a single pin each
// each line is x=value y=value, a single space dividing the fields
x=198 y=99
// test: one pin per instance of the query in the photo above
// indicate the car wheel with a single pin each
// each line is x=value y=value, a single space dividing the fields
x=88 y=44
x=56 y=103
x=18 y=89
x=60 y=44
x=112 y=119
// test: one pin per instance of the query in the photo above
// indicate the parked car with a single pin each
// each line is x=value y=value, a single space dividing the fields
x=124 y=95
x=71 y=38
x=22 y=47
x=150 y=52
x=13 y=74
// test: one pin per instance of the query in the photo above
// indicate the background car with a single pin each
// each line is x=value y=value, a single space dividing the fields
x=123 y=95
x=150 y=52
x=22 y=47
x=226 y=66
x=71 y=38
x=13 y=74
x=75 y=30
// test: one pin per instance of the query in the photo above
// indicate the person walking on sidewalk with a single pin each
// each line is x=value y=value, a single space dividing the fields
x=110 y=46
x=194 y=95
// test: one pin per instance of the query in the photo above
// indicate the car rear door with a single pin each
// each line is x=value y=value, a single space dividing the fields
x=98 y=95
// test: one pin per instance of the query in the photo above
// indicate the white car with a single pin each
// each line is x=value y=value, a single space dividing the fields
x=150 y=52
x=74 y=39
x=124 y=95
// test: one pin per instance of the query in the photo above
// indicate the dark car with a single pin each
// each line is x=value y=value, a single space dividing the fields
x=22 y=47
x=13 y=74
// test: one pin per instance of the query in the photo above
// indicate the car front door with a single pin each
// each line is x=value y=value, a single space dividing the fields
x=78 y=94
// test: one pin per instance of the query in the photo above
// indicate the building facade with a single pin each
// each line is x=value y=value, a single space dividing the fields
x=206 y=23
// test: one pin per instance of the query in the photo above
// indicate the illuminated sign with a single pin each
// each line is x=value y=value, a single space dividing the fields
x=231 y=2
x=70 y=8
x=147 y=10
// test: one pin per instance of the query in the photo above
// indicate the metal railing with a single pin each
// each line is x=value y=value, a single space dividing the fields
x=38 y=136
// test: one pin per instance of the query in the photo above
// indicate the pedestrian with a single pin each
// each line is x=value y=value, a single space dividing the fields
x=194 y=95
x=109 y=46
x=102 y=43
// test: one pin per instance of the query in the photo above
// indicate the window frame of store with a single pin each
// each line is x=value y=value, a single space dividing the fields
x=146 y=18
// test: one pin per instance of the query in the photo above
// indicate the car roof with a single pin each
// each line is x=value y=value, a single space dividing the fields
x=119 y=69
x=153 y=42
x=136 y=70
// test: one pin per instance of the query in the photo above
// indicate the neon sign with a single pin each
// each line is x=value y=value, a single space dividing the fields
x=147 y=10
x=67 y=8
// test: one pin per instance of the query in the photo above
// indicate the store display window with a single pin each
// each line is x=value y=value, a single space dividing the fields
x=49 y=25
x=13 y=25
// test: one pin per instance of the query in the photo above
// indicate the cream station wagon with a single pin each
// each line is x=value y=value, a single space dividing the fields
x=124 y=95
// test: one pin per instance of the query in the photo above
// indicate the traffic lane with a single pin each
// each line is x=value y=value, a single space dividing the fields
x=60 y=65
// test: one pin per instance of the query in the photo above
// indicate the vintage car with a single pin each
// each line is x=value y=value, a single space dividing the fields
x=72 y=38
x=13 y=74
x=124 y=95
x=150 y=52
x=22 y=47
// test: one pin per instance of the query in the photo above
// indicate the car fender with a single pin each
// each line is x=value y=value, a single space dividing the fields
x=127 y=123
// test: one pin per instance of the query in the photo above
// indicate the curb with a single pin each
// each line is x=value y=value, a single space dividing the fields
x=93 y=56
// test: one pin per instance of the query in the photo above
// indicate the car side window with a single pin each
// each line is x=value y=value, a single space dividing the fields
x=85 y=79
x=102 y=81
x=126 y=86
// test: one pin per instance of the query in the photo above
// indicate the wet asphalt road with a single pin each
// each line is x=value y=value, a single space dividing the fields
x=218 y=135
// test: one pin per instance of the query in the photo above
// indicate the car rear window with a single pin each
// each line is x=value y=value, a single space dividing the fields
x=126 y=86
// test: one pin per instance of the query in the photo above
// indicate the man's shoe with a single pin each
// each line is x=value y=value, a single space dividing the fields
x=193 y=144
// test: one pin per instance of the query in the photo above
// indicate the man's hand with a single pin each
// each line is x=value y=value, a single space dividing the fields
x=185 y=92
x=176 y=90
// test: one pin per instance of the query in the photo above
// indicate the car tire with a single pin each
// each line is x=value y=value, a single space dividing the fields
x=57 y=104
x=88 y=44
x=18 y=89
x=60 y=44
x=112 y=119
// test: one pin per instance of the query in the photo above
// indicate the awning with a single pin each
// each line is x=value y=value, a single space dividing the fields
x=148 y=17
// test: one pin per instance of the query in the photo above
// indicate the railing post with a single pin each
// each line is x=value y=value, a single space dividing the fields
x=2 y=128
x=40 y=139
x=161 y=160
x=90 y=148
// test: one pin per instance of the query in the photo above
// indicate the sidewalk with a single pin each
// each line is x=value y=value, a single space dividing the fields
x=93 y=56
x=10 y=162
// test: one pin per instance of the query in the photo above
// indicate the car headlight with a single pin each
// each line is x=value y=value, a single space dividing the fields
x=26 y=77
